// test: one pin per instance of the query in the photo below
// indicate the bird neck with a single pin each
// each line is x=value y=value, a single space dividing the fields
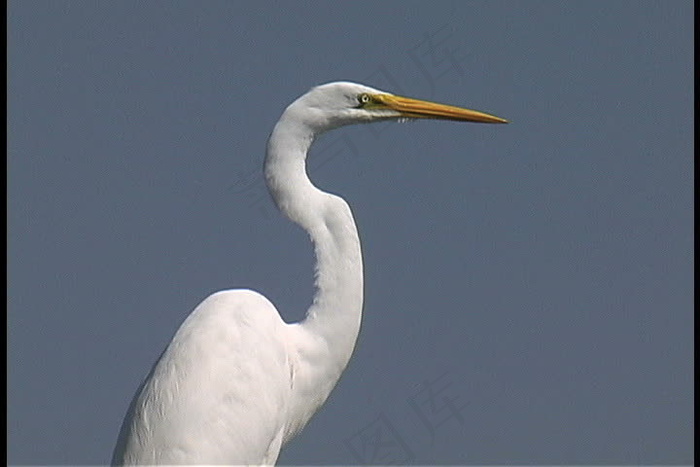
x=333 y=320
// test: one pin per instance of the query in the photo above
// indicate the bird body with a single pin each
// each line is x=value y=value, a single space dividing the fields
x=236 y=382
x=229 y=333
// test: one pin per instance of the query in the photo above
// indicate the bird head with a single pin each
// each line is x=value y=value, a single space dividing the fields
x=343 y=103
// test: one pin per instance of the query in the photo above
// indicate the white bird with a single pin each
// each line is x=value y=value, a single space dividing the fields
x=236 y=382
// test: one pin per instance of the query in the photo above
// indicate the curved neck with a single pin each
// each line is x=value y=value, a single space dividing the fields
x=333 y=320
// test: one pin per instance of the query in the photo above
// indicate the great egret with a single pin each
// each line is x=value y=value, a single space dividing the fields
x=236 y=382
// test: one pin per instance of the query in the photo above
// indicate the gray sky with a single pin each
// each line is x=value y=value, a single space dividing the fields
x=528 y=286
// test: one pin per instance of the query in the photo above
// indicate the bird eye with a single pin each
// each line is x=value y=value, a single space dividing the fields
x=363 y=99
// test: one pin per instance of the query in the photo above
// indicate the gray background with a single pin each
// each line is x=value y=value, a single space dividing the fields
x=528 y=287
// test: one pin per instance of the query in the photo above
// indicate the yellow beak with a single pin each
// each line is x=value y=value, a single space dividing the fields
x=414 y=108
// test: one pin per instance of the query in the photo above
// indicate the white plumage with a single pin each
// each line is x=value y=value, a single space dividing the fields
x=236 y=383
